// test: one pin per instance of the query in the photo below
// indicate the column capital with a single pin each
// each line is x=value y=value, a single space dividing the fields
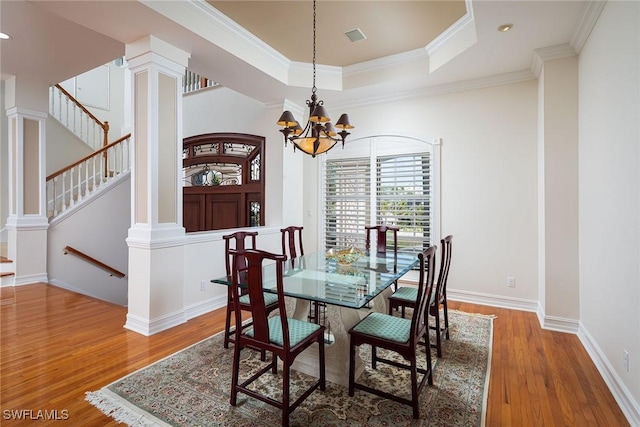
x=151 y=49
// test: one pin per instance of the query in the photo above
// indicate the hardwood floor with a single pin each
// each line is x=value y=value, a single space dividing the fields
x=56 y=345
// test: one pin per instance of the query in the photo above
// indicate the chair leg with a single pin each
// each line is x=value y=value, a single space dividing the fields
x=227 y=325
x=234 y=375
x=414 y=388
x=446 y=318
x=285 y=394
x=352 y=363
x=323 y=378
x=374 y=357
x=438 y=332
x=428 y=356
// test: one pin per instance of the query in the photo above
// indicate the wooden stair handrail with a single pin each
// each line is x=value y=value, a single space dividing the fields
x=110 y=270
x=84 y=159
x=104 y=126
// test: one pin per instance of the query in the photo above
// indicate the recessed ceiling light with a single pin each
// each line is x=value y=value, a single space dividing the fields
x=4 y=36
x=355 y=35
x=505 y=27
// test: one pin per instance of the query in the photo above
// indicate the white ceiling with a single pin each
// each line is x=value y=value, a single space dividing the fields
x=405 y=50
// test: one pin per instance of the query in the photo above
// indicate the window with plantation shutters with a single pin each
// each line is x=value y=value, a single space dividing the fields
x=348 y=201
x=393 y=181
x=403 y=198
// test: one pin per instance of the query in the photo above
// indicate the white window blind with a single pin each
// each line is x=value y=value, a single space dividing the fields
x=348 y=202
x=403 y=198
x=385 y=179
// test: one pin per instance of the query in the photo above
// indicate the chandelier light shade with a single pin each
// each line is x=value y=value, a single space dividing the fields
x=318 y=135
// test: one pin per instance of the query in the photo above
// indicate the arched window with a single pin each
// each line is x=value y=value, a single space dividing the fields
x=384 y=179
x=223 y=181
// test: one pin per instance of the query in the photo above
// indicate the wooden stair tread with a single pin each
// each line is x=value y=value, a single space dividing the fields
x=4 y=259
x=5 y=274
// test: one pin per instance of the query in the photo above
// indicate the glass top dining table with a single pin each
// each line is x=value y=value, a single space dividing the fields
x=314 y=277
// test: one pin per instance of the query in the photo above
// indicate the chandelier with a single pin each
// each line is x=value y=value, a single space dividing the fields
x=319 y=135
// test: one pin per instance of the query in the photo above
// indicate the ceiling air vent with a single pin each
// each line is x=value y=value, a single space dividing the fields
x=355 y=35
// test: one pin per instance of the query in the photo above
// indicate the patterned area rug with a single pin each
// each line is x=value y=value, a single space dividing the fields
x=191 y=388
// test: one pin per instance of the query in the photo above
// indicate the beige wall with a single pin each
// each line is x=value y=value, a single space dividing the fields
x=488 y=180
x=609 y=157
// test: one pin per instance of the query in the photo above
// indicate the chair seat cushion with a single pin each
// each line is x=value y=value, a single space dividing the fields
x=269 y=298
x=298 y=330
x=410 y=294
x=384 y=326
x=406 y=293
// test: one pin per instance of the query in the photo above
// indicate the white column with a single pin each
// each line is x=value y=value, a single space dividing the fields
x=156 y=236
x=558 y=188
x=27 y=221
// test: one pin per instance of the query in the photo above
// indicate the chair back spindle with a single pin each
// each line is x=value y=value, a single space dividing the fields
x=289 y=246
x=425 y=289
x=381 y=237
x=240 y=263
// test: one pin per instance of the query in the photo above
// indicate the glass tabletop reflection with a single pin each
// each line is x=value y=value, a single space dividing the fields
x=315 y=278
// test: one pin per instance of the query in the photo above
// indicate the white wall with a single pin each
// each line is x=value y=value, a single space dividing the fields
x=4 y=165
x=223 y=110
x=99 y=229
x=101 y=91
x=609 y=156
x=63 y=146
x=488 y=182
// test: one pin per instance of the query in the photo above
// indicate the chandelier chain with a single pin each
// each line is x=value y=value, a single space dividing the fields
x=313 y=90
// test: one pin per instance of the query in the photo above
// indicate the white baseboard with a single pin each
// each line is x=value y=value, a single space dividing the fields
x=558 y=324
x=629 y=406
x=203 y=307
x=492 y=300
x=149 y=327
x=30 y=279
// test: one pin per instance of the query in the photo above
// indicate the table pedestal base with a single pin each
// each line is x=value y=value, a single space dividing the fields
x=336 y=354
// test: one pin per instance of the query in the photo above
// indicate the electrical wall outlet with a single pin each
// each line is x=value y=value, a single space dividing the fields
x=625 y=360
x=511 y=282
x=203 y=285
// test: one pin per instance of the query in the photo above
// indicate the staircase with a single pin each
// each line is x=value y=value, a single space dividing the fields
x=72 y=195
x=6 y=266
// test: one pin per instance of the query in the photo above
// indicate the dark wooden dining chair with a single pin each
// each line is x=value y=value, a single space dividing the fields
x=292 y=247
x=239 y=239
x=289 y=240
x=381 y=241
x=284 y=337
x=399 y=335
x=405 y=297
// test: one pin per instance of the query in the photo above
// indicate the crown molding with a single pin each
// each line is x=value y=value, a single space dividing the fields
x=203 y=19
x=590 y=14
x=454 y=40
x=441 y=41
x=462 y=86
x=387 y=61
x=227 y=25
x=542 y=55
